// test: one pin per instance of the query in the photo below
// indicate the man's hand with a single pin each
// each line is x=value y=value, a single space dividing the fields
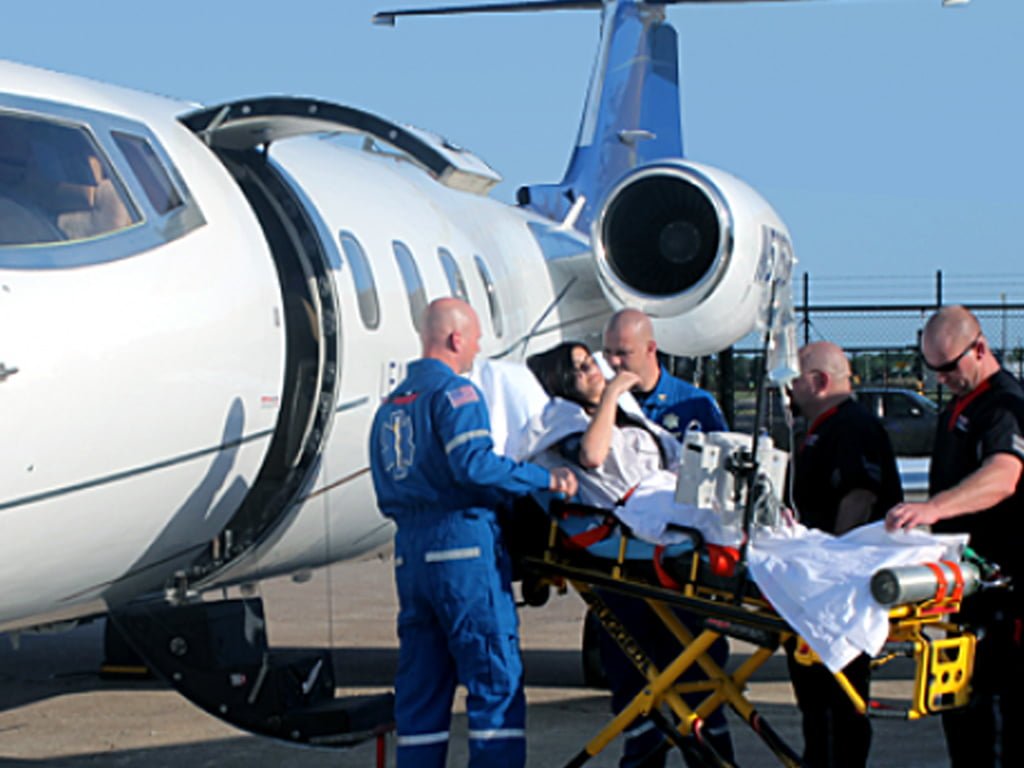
x=563 y=481
x=911 y=514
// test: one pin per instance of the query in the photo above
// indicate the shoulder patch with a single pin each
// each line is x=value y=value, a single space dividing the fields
x=462 y=396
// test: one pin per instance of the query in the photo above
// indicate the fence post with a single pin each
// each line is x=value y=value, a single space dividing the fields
x=807 y=309
x=727 y=386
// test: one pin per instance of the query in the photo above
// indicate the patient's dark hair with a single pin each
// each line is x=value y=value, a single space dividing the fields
x=554 y=369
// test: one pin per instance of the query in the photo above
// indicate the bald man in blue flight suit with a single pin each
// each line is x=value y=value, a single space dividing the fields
x=437 y=476
x=673 y=404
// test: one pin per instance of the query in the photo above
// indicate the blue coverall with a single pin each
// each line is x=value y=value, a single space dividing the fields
x=672 y=404
x=437 y=476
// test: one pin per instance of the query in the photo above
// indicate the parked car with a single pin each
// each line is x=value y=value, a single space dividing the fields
x=909 y=418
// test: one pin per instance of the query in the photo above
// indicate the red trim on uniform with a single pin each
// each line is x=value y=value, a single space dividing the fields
x=816 y=424
x=404 y=399
x=963 y=402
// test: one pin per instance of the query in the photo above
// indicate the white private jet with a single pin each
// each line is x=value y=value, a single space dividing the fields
x=201 y=307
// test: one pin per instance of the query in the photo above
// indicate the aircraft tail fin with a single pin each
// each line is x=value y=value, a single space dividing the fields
x=632 y=113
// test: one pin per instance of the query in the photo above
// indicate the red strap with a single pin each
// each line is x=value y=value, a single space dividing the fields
x=626 y=495
x=589 y=537
x=723 y=560
x=940 y=581
x=958 y=580
x=663 y=577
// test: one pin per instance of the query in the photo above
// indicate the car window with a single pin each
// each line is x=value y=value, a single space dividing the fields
x=871 y=402
x=900 y=406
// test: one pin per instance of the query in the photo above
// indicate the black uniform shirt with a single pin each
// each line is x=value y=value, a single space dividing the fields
x=986 y=421
x=846 y=448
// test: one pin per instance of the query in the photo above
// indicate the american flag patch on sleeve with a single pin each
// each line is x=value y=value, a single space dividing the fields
x=463 y=396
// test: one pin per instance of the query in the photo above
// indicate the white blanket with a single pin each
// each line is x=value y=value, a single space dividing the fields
x=818 y=583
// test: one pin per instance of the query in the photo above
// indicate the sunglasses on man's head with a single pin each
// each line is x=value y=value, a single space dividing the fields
x=952 y=364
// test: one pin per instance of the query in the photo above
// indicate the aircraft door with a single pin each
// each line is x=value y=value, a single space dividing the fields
x=311 y=324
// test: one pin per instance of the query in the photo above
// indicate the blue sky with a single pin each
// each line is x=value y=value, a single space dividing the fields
x=885 y=132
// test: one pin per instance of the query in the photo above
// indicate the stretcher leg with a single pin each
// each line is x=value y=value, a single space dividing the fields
x=729 y=689
x=662 y=688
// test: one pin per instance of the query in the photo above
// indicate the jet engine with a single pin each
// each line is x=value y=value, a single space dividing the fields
x=693 y=247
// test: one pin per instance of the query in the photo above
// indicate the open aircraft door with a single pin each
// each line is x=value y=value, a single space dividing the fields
x=217 y=653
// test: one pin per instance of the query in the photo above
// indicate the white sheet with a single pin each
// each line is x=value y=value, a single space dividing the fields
x=513 y=396
x=818 y=583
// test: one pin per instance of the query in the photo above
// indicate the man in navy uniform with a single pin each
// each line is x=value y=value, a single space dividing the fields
x=844 y=475
x=673 y=404
x=667 y=401
x=976 y=487
x=437 y=476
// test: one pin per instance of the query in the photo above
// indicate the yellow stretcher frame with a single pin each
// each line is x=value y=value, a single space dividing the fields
x=943 y=664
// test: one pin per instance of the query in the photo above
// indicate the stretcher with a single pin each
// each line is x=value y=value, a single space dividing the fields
x=591 y=551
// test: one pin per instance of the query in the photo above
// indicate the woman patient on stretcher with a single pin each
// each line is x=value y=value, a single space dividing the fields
x=624 y=462
x=584 y=425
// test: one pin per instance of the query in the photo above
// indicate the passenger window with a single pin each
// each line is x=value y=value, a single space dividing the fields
x=151 y=173
x=56 y=184
x=897 y=406
x=362 y=276
x=413 y=282
x=497 y=321
x=454 y=274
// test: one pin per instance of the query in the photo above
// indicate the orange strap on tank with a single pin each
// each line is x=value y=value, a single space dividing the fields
x=940 y=581
x=958 y=580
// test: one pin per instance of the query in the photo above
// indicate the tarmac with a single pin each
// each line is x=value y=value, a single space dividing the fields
x=55 y=710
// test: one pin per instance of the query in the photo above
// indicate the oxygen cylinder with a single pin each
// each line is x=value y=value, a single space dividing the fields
x=914 y=583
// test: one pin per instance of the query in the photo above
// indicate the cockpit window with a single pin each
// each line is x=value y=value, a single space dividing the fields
x=56 y=184
x=454 y=274
x=413 y=282
x=150 y=171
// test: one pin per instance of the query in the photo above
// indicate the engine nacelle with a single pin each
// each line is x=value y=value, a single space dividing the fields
x=693 y=247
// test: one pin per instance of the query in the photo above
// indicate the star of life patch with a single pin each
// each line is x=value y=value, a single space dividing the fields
x=397 y=445
x=462 y=396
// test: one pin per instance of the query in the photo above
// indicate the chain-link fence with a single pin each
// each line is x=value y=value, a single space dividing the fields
x=882 y=340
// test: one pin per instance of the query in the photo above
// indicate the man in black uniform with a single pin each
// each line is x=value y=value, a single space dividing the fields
x=844 y=474
x=975 y=487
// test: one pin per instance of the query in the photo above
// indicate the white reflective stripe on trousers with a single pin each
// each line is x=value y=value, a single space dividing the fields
x=422 y=739
x=498 y=733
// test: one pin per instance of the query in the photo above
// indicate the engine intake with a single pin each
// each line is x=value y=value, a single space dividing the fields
x=691 y=246
x=662 y=234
